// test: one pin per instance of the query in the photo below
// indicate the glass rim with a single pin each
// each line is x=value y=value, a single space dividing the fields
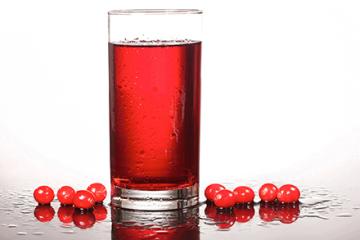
x=154 y=11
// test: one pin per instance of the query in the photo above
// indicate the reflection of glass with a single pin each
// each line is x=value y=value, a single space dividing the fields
x=164 y=225
x=154 y=59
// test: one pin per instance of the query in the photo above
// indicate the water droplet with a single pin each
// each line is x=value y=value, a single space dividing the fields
x=314 y=216
x=321 y=207
x=344 y=215
x=18 y=203
x=12 y=226
x=66 y=226
x=21 y=233
x=210 y=223
x=313 y=201
x=275 y=223
x=264 y=225
x=26 y=211
x=38 y=233
x=68 y=232
x=7 y=209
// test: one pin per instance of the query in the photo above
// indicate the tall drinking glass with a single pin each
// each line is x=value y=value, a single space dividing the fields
x=154 y=68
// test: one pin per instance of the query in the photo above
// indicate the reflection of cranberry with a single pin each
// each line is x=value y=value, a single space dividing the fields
x=210 y=211
x=65 y=214
x=225 y=219
x=267 y=212
x=244 y=214
x=288 y=214
x=44 y=213
x=83 y=219
x=100 y=212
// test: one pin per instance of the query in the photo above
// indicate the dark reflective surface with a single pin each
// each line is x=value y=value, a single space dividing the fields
x=321 y=215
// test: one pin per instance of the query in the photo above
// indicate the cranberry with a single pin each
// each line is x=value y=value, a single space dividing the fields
x=244 y=195
x=288 y=194
x=224 y=199
x=66 y=195
x=84 y=199
x=98 y=190
x=268 y=192
x=44 y=194
x=212 y=190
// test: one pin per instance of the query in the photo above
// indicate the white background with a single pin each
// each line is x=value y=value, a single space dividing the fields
x=280 y=96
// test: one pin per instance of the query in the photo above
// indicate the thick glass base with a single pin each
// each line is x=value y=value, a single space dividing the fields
x=156 y=200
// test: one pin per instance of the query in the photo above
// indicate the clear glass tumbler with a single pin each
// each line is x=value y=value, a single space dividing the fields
x=154 y=72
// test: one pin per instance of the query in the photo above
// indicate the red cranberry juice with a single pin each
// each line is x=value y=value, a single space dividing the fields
x=154 y=114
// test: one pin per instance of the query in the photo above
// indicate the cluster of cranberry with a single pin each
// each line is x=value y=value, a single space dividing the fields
x=224 y=198
x=73 y=204
x=82 y=199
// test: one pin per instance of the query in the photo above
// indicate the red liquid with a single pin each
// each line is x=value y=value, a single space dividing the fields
x=154 y=115
x=121 y=232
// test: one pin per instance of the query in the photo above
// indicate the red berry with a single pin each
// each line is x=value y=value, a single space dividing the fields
x=44 y=213
x=225 y=220
x=267 y=213
x=66 y=195
x=224 y=199
x=288 y=214
x=244 y=214
x=83 y=219
x=100 y=212
x=212 y=190
x=268 y=192
x=288 y=194
x=244 y=194
x=98 y=190
x=84 y=199
x=65 y=214
x=44 y=194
